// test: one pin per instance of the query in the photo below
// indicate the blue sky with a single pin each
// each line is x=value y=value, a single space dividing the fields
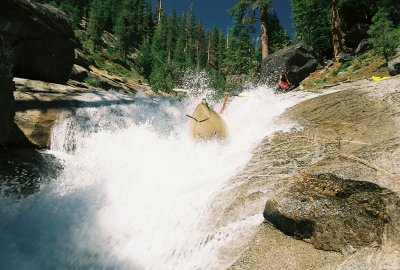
x=214 y=12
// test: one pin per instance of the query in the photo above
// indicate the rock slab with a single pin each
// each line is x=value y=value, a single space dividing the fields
x=335 y=214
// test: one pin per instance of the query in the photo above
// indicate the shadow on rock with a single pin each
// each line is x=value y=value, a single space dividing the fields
x=333 y=213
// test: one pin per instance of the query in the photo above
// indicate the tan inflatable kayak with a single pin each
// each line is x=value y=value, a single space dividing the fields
x=206 y=124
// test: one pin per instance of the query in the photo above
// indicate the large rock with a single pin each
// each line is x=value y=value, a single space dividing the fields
x=42 y=40
x=363 y=46
x=394 y=66
x=298 y=61
x=82 y=61
x=40 y=104
x=334 y=213
x=7 y=106
x=79 y=73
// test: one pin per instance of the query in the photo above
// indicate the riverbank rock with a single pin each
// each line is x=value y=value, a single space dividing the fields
x=332 y=181
x=40 y=104
x=7 y=106
x=298 y=61
x=363 y=46
x=41 y=38
x=331 y=212
x=79 y=73
x=394 y=66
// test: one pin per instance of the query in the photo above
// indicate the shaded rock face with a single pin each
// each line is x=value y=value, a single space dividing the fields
x=334 y=213
x=298 y=61
x=79 y=73
x=7 y=106
x=394 y=66
x=80 y=60
x=362 y=47
x=356 y=33
x=42 y=40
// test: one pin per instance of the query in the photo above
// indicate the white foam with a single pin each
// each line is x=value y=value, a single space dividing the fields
x=135 y=189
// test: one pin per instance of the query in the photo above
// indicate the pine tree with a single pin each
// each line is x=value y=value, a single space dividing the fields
x=238 y=53
x=312 y=20
x=263 y=6
x=158 y=12
x=383 y=35
x=148 y=24
x=221 y=48
x=201 y=47
x=278 y=38
x=112 y=9
x=172 y=32
x=190 y=48
x=179 y=59
x=252 y=8
x=161 y=74
x=132 y=25
x=144 y=59
x=96 y=22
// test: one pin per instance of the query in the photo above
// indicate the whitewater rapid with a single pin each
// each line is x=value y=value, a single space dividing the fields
x=135 y=190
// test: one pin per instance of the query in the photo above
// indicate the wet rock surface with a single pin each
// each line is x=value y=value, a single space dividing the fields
x=23 y=171
x=332 y=181
x=40 y=104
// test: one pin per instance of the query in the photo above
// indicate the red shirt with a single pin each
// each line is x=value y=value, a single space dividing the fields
x=284 y=85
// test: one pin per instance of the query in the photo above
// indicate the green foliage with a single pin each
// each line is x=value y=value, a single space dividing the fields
x=163 y=49
x=160 y=79
x=96 y=24
x=93 y=82
x=312 y=21
x=383 y=35
x=238 y=55
x=144 y=59
x=133 y=25
x=278 y=38
x=342 y=67
x=368 y=8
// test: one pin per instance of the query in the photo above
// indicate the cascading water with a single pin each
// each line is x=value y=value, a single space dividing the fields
x=135 y=190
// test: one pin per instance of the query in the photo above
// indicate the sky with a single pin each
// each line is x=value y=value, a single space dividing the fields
x=214 y=12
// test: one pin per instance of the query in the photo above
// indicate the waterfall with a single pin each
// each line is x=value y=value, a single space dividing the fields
x=135 y=190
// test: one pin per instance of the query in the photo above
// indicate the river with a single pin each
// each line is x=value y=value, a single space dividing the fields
x=135 y=190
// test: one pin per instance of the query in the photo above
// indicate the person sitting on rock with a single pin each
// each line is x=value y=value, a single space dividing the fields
x=283 y=83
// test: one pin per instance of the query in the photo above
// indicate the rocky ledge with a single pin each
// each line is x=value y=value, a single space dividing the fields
x=329 y=188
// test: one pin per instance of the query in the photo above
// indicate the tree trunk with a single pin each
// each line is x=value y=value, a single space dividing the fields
x=264 y=31
x=338 y=31
x=209 y=50
x=160 y=10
